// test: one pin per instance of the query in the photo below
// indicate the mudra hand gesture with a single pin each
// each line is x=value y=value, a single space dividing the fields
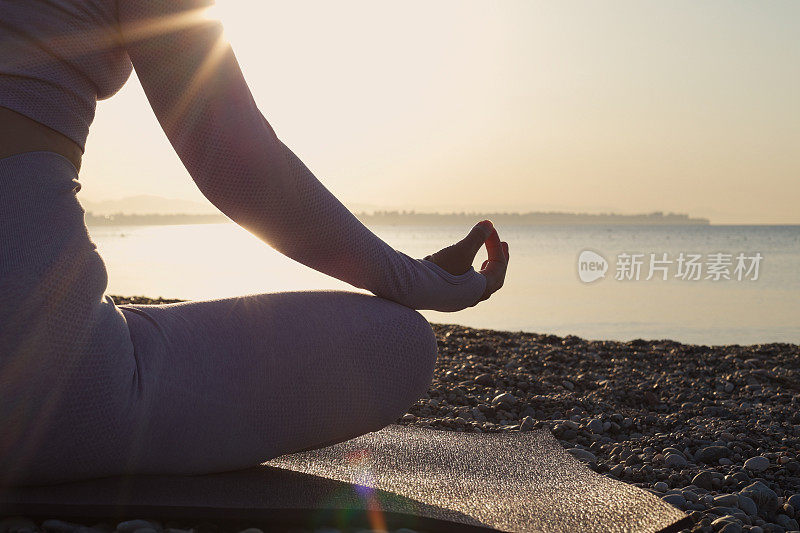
x=457 y=258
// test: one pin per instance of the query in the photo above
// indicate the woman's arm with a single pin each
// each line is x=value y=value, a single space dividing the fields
x=197 y=91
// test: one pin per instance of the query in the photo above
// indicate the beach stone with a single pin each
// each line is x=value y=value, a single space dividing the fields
x=595 y=426
x=690 y=495
x=505 y=399
x=146 y=530
x=408 y=417
x=661 y=486
x=675 y=499
x=747 y=505
x=583 y=455
x=794 y=501
x=130 y=526
x=764 y=497
x=668 y=450
x=253 y=530
x=756 y=529
x=675 y=461
x=528 y=424
x=704 y=480
x=757 y=464
x=484 y=379
x=13 y=524
x=789 y=523
x=60 y=526
x=570 y=424
x=724 y=525
x=711 y=454
x=727 y=500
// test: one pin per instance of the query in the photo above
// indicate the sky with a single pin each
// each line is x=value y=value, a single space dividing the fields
x=519 y=105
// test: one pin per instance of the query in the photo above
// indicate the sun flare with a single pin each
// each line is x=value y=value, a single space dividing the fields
x=218 y=12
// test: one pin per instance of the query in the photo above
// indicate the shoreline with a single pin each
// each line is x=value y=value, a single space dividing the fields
x=713 y=430
x=639 y=341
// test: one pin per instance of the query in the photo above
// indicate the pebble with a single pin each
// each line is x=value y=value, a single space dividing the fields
x=484 y=379
x=528 y=424
x=747 y=505
x=675 y=461
x=786 y=522
x=794 y=501
x=757 y=464
x=504 y=399
x=765 y=498
x=131 y=526
x=595 y=426
x=690 y=495
x=661 y=486
x=675 y=499
x=727 y=500
x=711 y=454
x=59 y=526
x=13 y=524
x=703 y=480
x=583 y=455
x=729 y=527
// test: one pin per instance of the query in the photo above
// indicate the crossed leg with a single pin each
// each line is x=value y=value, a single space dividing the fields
x=228 y=383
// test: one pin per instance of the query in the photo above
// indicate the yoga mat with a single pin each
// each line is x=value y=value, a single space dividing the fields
x=397 y=477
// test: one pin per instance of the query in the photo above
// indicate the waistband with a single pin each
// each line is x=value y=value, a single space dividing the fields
x=38 y=165
x=40 y=215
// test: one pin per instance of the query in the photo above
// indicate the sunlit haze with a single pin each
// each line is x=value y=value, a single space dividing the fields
x=618 y=106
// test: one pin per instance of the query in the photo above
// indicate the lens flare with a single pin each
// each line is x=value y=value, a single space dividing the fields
x=364 y=486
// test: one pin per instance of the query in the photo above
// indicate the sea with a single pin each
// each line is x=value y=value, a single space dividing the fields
x=699 y=284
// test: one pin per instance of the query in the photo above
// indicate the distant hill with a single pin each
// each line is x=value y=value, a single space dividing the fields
x=532 y=218
x=121 y=219
x=411 y=218
x=148 y=204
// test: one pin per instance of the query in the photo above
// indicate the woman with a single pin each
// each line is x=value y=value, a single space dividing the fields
x=89 y=388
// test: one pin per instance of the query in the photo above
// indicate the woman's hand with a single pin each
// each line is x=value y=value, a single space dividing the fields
x=457 y=258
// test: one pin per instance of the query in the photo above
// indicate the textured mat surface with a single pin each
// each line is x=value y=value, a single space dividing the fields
x=400 y=476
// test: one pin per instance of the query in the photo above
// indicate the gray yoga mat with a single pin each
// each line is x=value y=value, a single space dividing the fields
x=398 y=477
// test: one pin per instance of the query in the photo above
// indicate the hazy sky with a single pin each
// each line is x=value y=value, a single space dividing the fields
x=631 y=106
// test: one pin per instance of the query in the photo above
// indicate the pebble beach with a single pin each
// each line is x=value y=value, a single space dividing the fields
x=712 y=430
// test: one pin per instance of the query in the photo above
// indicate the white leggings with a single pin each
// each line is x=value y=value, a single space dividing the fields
x=91 y=389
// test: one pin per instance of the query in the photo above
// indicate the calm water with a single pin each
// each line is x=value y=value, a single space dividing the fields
x=543 y=292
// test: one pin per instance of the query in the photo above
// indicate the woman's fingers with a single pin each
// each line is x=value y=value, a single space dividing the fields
x=477 y=236
x=494 y=247
x=496 y=266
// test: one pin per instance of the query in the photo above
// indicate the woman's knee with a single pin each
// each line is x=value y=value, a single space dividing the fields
x=414 y=350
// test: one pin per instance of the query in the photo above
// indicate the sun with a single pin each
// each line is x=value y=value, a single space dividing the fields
x=229 y=13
